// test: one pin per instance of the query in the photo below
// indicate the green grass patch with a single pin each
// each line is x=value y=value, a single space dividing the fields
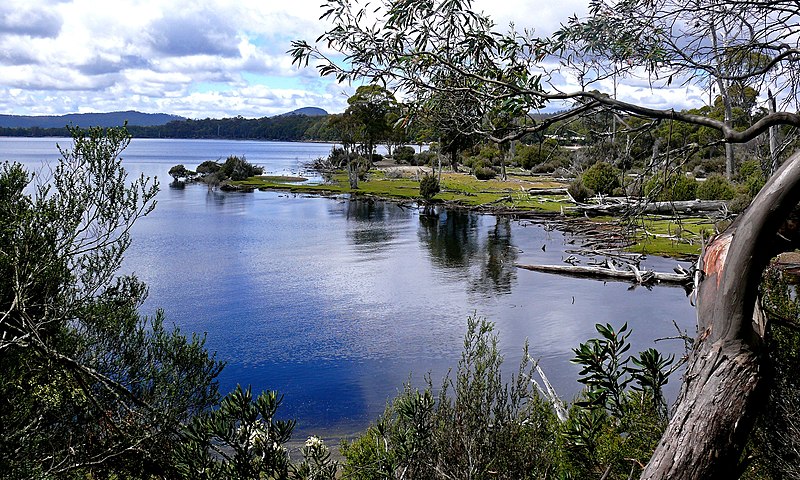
x=458 y=188
x=667 y=237
x=281 y=179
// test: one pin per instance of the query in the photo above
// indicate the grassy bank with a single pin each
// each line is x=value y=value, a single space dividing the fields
x=457 y=189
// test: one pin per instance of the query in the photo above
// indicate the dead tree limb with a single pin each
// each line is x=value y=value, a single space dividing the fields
x=688 y=207
x=604 y=273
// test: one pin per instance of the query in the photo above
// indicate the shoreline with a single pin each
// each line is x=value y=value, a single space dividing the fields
x=516 y=197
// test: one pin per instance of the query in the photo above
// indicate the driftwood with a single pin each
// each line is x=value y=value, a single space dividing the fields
x=547 y=191
x=639 y=276
x=688 y=207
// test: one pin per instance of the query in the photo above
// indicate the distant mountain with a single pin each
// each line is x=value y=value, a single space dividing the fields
x=84 y=120
x=307 y=111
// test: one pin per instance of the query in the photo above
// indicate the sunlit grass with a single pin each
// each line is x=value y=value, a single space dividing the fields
x=457 y=188
x=669 y=237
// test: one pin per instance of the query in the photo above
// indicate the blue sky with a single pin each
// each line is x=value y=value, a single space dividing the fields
x=196 y=58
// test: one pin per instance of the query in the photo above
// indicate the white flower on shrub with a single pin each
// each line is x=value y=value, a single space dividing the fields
x=314 y=442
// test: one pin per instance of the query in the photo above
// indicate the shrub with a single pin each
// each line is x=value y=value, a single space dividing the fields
x=601 y=178
x=207 y=167
x=752 y=177
x=754 y=184
x=487 y=428
x=676 y=188
x=776 y=439
x=482 y=172
x=424 y=158
x=477 y=424
x=238 y=168
x=541 y=157
x=716 y=187
x=739 y=203
x=578 y=190
x=428 y=186
x=179 y=171
x=403 y=154
x=245 y=426
x=338 y=157
x=749 y=168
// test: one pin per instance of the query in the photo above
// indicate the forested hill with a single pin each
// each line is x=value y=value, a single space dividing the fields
x=288 y=127
x=86 y=120
x=292 y=126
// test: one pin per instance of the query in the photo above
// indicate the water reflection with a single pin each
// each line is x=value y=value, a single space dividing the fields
x=450 y=236
x=498 y=270
x=372 y=225
x=335 y=302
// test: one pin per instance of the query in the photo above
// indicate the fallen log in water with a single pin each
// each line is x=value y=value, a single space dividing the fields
x=688 y=207
x=637 y=276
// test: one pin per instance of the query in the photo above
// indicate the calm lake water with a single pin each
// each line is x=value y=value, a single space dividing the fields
x=337 y=303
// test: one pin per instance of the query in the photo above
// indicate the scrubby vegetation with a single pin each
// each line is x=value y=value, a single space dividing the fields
x=602 y=178
x=480 y=425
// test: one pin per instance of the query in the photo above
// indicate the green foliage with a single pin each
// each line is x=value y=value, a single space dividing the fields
x=603 y=370
x=369 y=108
x=87 y=385
x=716 y=187
x=238 y=168
x=425 y=158
x=776 y=440
x=675 y=188
x=577 y=189
x=242 y=439
x=752 y=177
x=482 y=172
x=476 y=427
x=428 y=186
x=207 y=167
x=403 y=155
x=179 y=171
x=481 y=427
x=623 y=412
x=601 y=178
x=541 y=157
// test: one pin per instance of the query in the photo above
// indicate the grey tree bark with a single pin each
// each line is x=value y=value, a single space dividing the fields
x=724 y=382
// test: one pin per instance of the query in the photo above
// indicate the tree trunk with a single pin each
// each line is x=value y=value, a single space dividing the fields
x=352 y=174
x=722 y=389
x=773 y=136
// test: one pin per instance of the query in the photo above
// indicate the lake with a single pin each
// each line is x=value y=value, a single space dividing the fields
x=336 y=303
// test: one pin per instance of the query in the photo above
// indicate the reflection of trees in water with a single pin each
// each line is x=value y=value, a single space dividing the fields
x=455 y=242
x=371 y=224
x=451 y=237
x=230 y=201
x=498 y=271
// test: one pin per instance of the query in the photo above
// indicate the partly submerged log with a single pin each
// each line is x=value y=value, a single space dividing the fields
x=688 y=207
x=638 y=276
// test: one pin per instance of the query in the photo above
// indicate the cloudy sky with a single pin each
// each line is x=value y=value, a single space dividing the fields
x=196 y=58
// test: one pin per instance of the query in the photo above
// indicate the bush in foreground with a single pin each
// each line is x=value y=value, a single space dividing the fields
x=480 y=426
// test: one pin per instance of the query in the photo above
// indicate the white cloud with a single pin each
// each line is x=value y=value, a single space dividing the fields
x=196 y=58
